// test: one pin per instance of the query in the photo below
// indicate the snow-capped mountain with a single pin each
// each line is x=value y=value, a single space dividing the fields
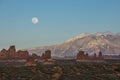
x=106 y=42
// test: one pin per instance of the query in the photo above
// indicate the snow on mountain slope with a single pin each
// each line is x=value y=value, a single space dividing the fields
x=77 y=37
x=106 y=42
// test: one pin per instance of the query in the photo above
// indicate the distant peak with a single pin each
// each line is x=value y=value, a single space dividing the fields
x=78 y=37
x=104 y=33
x=81 y=35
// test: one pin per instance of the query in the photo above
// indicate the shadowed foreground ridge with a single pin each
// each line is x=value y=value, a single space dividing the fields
x=62 y=71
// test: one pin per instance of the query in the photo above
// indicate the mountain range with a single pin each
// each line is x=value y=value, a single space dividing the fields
x=106 y=42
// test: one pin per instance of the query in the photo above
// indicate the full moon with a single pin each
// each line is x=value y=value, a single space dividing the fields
x=34 y=20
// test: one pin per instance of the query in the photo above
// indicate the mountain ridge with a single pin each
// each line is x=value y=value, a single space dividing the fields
x=106 y=42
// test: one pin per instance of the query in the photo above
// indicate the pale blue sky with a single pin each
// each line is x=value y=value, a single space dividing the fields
x=59 y=20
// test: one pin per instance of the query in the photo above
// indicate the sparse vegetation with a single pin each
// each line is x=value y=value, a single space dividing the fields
x=61 y=71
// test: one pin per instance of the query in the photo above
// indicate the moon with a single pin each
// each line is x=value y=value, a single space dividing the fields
x=34 y=20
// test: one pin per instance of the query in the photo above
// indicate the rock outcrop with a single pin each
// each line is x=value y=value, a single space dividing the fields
x=81 y=56
x=46 y=55
x=11 y=53
x=22 y=54
x=3 y=54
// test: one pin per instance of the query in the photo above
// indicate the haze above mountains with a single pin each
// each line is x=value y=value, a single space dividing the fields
x=107 y=42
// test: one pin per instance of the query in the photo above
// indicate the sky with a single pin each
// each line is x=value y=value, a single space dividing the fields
x=59 y=20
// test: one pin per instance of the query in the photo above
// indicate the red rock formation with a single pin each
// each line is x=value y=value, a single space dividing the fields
x=3 y=54
x=22 y=54
x=86 y=56
x=46 y=55
x=12 y=52
x=80 y=55
x=43 y=55
x=30 y=61
x=35 y=56
x=94 y=57
x=100 y=57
